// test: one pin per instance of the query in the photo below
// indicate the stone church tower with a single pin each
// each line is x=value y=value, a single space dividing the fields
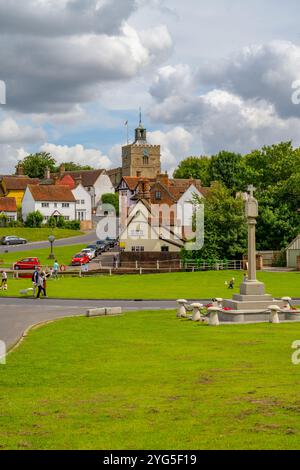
x=141 y=158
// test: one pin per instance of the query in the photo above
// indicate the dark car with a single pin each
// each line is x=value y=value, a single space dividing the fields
x=111 y=242
x=102 y=245
x=10 y=240
x=80 y=259
x=27 y=264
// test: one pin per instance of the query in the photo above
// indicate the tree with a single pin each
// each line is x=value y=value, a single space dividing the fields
x=35 y=165
x=34 y=220
x=226 y=167
x=111 y=199
x=71 y=166
x=195 y=167
x=225 y=231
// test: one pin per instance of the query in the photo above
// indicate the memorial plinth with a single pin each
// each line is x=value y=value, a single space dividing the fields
x=252 y=294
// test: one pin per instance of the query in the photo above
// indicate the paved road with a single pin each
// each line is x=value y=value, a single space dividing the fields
x=16 y=315
x=87 y=238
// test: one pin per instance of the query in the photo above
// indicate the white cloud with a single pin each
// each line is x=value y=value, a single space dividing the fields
x=175 y=145
x=12 y=132
x=77 y=154
x=9 y=156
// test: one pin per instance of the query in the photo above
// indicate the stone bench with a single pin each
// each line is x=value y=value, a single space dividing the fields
x=104 y=312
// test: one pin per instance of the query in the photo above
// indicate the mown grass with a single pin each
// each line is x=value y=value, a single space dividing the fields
x=150 y=381
x=38 y=234
x=63 y=254
x=203 y=285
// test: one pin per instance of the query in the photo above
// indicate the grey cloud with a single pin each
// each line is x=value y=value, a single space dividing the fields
x=32 y=17
x=259 y=72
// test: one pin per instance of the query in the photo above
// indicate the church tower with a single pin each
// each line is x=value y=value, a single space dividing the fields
x=141 y=158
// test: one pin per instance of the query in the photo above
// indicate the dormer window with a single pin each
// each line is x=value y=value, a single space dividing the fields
x=158 y=195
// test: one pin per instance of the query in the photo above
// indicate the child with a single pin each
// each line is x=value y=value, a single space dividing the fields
x=231 y=283
x=4 y=281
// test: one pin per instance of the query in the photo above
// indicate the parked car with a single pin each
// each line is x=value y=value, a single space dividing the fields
x=90 y=252
x=111 y=242
x=27 y=264
x=96 y=248
x=101 y=245
x=80 y=259
x=11 y=240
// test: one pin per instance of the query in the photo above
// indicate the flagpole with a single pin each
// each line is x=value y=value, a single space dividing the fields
x=126 y=124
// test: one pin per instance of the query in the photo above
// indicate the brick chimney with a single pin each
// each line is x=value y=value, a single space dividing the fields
x=62 y=170
x=163 y=178
x=47 y=174
x=139 y=174
x=20 y=169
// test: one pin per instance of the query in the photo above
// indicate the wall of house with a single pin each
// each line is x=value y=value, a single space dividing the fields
x=29 y=205
x=102 y=186
x=11 y=215
x=83 y=204
x=18 y=195
x=185 y=208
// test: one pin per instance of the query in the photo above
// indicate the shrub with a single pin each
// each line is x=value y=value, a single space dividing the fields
x=34 y=220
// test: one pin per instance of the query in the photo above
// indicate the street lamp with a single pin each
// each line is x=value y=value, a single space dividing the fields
x=51 y=239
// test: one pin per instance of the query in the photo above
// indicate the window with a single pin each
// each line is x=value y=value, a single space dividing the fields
x=78 y=201
x=55 y=205
x=45 y=204
x=46 y=218
x=138 y=249
x=164 y=249
x=66 y=217
x=82 y=202
x=158 y=195
x=145 y=160
x=66 y=205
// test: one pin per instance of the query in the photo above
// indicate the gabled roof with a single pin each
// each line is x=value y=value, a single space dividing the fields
x=88 y=177
x=8 y=204
x=18 y=183
x=52 y=193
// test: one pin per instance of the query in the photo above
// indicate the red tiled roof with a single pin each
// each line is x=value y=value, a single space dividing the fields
x=52 y=193
x=67 y=180
x=18 y=183
x=8 y=204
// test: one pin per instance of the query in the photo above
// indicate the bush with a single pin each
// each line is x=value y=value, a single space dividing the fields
x=61 y=223
x=34 y=220
x=3 y=220
x=73 y=225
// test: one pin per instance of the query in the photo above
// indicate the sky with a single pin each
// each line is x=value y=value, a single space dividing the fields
x=209 y=76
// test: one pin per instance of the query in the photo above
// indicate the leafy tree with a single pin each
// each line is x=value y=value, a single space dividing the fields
x=3 y=220
x=225 y=234
x=112 y=199
x=71 y=166
x=35 y=165
x=52 y=222
x=226 y=167
x=34 y=220
x=195 y=167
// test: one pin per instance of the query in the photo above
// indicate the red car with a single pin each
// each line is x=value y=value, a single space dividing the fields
x=80 y=259
x=27 y=264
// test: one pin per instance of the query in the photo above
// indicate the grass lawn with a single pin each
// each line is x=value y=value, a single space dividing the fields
x=158 y=286
x=150 y=381
x=38 y=234
x=64 y=255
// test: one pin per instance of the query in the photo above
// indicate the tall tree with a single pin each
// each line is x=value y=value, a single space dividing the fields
x=226 y=167
x=71 y=166
x=195 y=167
x=225 y=231
x=34 y=165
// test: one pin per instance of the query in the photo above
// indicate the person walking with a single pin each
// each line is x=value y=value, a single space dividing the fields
x=40 y=285
x=55 y=269
x=35 y=280
x=4 y=281
x=231 y=283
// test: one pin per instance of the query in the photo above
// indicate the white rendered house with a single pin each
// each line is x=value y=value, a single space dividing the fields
x=50 y=201
x=83 y=204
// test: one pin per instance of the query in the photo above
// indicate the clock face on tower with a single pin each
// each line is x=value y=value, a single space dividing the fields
x=146 y=152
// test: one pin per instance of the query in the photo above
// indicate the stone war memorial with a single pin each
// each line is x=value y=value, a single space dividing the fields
x=252 y=304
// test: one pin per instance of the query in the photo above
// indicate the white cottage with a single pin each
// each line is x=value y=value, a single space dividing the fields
x=83 y=204
x=50 y=201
